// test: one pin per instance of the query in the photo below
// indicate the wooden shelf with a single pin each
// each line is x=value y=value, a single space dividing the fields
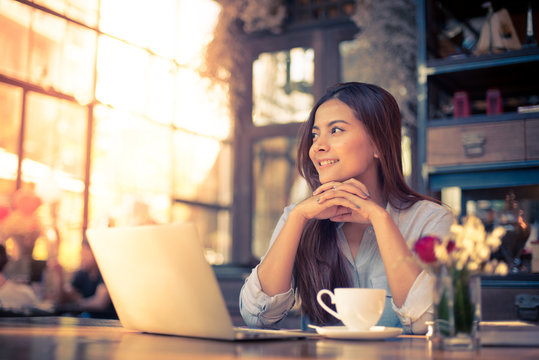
x=481 y=118
x=458 y=64
x=505 y=160
x=484 y=176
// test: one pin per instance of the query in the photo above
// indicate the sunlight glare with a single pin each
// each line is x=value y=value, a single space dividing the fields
x=194 y=158
x=196 y=22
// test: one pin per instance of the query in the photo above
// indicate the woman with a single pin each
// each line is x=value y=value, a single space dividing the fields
x=353 y=230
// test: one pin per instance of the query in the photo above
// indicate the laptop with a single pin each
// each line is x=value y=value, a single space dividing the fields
x=160 y=282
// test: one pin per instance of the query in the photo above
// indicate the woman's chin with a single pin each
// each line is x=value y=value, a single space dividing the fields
x=325 y=180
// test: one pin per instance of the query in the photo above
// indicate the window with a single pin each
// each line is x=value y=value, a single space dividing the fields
x=276 y=184
x=105 y=117
x=282 y=86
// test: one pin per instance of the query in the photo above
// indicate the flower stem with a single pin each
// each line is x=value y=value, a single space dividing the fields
x=463 y=308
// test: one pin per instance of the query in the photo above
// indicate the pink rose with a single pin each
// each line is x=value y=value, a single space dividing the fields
x=4 y=212
x=450 y=246
x=424 y=248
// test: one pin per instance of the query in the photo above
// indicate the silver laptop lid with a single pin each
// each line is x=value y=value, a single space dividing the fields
x=159 y=280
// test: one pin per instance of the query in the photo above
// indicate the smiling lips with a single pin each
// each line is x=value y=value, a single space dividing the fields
x=324 y=163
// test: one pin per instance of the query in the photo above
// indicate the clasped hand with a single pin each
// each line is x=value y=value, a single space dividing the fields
x=348 y=201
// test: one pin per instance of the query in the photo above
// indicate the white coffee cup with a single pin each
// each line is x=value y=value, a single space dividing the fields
x=357 y=308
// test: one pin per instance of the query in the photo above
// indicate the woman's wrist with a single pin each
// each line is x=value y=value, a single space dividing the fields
x=297 y=216
x=379 y=215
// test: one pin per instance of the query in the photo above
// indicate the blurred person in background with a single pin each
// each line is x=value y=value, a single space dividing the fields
x=86 y=292
x=15 y=297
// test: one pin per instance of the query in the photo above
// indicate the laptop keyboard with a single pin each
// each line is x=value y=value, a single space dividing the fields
x=248 y=333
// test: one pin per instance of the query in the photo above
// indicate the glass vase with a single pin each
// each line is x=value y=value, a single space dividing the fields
x=457 y=310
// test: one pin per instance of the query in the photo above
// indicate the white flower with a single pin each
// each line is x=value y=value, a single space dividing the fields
x=501 y=269
x=489 y=268
x=473 y=247
x=473 y=266
x=467 y=244
x=483 y=252
x=494 y=239
x=456 y=231
x=440 y=251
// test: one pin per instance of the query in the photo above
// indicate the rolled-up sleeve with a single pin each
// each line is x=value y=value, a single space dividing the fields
x=259 y=309
x=417 y=308
x=428 y=219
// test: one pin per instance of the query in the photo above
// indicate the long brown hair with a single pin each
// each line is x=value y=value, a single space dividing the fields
x=319 y=262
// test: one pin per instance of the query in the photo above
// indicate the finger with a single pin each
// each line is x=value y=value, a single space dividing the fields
x=341 y=212
x=351 y=185
x=341 y=218
x=345 y=214
x=350 y=204
x=351 y=193
x=358 y=184
x=352 y=217
x=332 y=185
x=355 y=187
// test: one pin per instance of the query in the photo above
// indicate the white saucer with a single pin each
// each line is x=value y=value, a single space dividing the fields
x=342 y=332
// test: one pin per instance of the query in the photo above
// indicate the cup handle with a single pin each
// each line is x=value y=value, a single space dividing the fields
x=324 y=306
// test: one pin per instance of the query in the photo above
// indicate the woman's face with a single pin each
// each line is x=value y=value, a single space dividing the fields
x=342 y=149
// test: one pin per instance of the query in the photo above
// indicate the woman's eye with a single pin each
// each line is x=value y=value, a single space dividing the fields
x=336 y=130
x=314 y=135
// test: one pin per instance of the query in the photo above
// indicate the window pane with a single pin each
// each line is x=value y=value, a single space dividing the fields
x=160 y=90
x=131 y=162
x=66 y=213
x=10 y=123
x=10 y=117
x=195 y=31
x=14 y=38
x=55 y=137
x=282 y=86
x=84 y=11
x=77 y=67
x=213 y=227
x=61 y=55
x=54 y=160
x=46 y=39
x=151 y=26
x=201 y=108
x=130 y=153
x=202 y=169
x=276 y=184
x=121 y=74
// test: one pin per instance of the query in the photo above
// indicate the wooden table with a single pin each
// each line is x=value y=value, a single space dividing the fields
x=44 y=338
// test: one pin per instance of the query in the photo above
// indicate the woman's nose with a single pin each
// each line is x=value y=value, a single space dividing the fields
x=320 y=145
